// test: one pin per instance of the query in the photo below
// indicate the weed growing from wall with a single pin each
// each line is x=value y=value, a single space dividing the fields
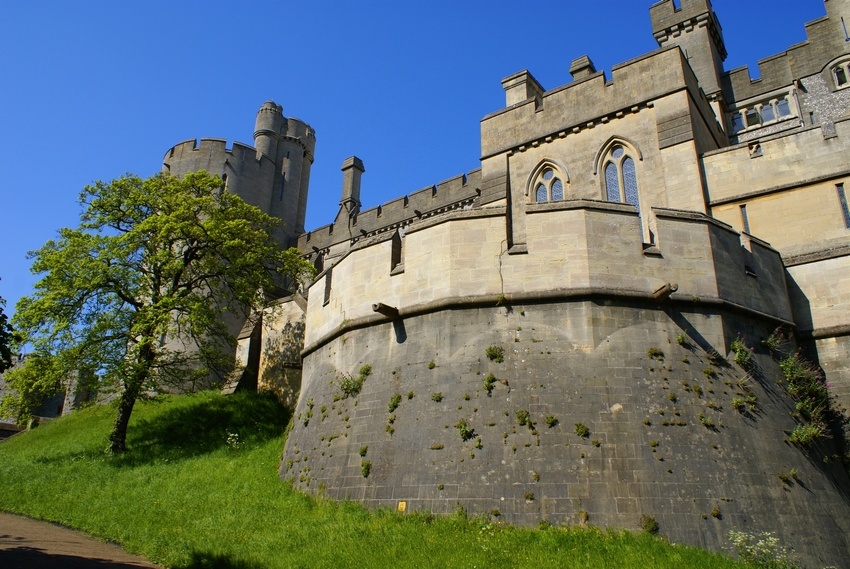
x=523 y=418
x=351 y=386
x=495 y=354
x=489 y=382
x=762 y=550
x=582 y=430
x=465 y=430
x=743 y=353
x=648 y=524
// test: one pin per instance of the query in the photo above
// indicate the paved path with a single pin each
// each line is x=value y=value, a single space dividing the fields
x=28 y=544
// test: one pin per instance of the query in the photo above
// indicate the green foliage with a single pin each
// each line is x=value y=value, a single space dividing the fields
x=523 y=419
x=655 y=354
x=363 y=450
x=806 y=434
x=648 y=524
x=682 y=339
x=466 y=431
x=551 y=421
x=762 y=550
x=431 y=364
x=582 y=430
x=365 y=468
x=437 y=397
x=137 y=273
x=394 y=402
x=776 y=338
x=743 y=353
x=7 y=338
x=495 y=354
x=351 y=386
x=806 y=384
x=489 y=382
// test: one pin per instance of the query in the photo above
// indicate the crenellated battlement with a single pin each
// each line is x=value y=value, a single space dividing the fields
x=591 y=101
x=455 y=193
x=826 y=37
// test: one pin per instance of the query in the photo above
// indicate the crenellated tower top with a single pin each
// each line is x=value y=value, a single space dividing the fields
x=694 y=27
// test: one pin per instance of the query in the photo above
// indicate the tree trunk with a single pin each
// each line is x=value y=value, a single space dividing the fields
x=118 y=436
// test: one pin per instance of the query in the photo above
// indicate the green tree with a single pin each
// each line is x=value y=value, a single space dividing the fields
x=7 y=338
x=154 y=266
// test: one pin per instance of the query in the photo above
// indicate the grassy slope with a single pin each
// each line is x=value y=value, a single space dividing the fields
x=184 y=498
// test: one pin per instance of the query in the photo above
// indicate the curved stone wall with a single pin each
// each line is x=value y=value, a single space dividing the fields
x=663 y=436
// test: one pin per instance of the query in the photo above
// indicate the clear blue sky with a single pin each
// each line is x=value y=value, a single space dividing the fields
x=94 y=89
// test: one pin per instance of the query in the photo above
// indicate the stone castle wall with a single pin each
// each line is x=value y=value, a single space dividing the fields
x=664 y=438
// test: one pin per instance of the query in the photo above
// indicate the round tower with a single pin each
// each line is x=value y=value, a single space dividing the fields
x=268 y=128
x=295 y=154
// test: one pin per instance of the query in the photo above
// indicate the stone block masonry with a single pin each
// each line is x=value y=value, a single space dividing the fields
x=631 y=411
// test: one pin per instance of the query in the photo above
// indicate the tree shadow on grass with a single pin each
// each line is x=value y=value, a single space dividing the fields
x=241 y=420
x=201 y=560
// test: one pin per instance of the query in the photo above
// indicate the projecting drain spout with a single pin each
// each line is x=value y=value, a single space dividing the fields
x=664 y=292
x=386 y=310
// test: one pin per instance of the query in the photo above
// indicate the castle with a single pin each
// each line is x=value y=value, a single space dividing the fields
x=550 y=336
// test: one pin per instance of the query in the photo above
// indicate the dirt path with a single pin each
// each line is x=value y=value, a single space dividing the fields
x=28 y=544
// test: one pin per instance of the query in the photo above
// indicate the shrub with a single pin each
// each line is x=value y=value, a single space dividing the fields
x=366 y=468
x=648 y=524
x=655 y=354
x=437 y=397
x=806 y=434
x=582 y=430
x=351 y=386
x=762 y=550
x=682 y=339
x=431 y=364
x=774 y=340
x=394 y=402
x=806 y=384
x=743 y=353
x=466 y=432
x=523 y=418
x=364 y=450
x=529 y=496
x=489 y=382
x=495 y=354
x=551 y=421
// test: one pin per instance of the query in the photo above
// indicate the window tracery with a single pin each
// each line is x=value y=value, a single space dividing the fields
x=620 y=174
x=548 y=184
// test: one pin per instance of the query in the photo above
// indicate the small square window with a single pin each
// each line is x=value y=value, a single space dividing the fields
x=752 y=117
x=767 y=113
x=783 y=109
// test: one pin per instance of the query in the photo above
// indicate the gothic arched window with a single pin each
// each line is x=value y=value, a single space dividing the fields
x=547 y=184
x=620 y=176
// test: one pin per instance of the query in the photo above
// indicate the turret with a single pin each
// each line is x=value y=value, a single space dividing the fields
x=694 y=28
x=268 y=129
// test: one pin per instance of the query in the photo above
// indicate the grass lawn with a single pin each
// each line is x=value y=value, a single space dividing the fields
x=199 y=488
